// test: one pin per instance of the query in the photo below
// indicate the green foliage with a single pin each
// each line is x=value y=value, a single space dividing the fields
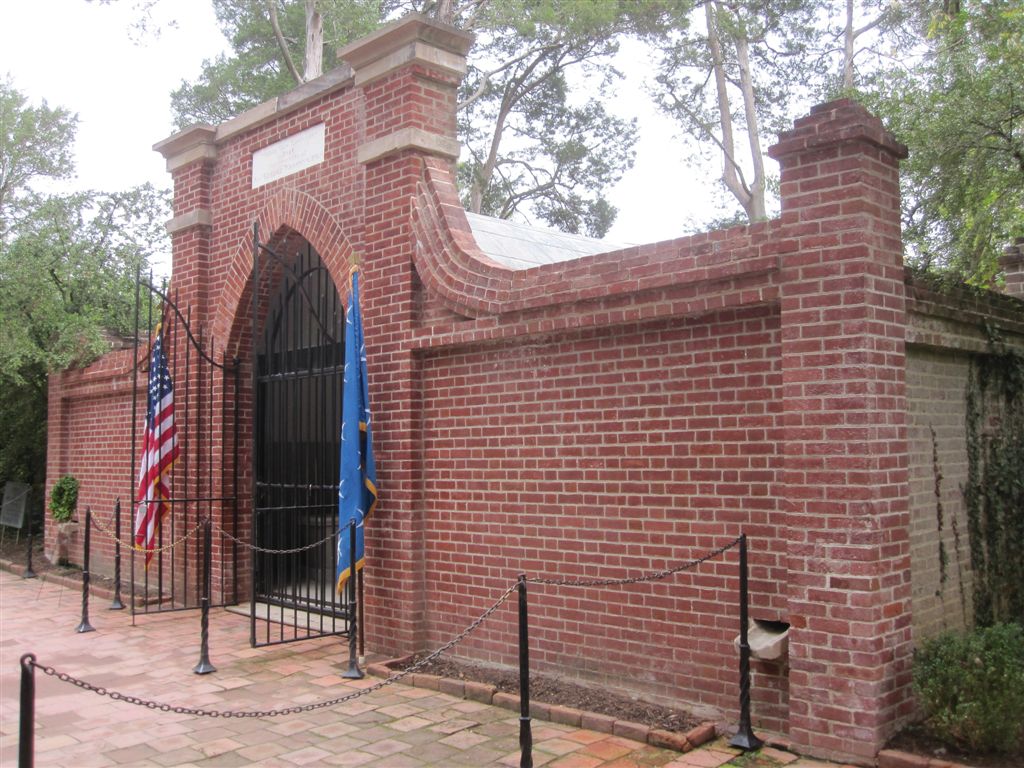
x=731 y=81
x=971 y=688
x=255 y=71
x=536 y=146
x=960 y=112
x=64 y=498
x=994 y=491
x=35 y=142
x=67 y=285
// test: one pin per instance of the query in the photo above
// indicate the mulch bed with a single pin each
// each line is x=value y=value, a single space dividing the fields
x=552 y=690
x=915 y=740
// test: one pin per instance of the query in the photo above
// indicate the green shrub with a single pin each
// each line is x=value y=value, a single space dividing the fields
x=64 y=498
x=971 y=688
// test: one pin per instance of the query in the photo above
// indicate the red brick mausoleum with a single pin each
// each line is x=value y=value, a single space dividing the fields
x=545 y=405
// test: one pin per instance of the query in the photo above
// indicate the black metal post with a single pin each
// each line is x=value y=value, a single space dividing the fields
x=27 y=725
x=204 y=667
x=85 y=626
x=525 y=731
x=29 y=573
x=744 y=738
x=117 y=605
x=353 y=672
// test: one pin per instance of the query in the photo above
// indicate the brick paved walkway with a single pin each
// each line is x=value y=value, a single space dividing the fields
x=395 y=727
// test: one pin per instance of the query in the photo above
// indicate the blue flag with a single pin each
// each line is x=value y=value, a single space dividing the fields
x=357 y=487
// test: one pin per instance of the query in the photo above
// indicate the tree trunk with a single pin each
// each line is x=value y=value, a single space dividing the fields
x=730 y=175
x=755 y=205
x=445 y=11
x=282 y=44
x=314 y=42
x=849 y=36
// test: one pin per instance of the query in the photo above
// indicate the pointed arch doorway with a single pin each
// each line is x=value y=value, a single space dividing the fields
x=299 y=360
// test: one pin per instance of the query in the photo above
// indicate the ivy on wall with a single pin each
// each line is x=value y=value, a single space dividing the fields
x=994 y=491
x=940 y=514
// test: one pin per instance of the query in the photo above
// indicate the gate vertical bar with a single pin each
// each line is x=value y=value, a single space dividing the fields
x=253 y=501
x=135 y=426
x=116 y=604
x=27 y=715
x=525 y=732
x=85 y=626
x=744 y=738
x=235 y=364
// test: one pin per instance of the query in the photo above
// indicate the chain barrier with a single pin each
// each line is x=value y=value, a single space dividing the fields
x=253 y=547
x=163 y=707
x=655 y=576
x=155 y=550
x=264 y=550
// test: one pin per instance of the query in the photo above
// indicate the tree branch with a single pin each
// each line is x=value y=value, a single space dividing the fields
x=281 y=42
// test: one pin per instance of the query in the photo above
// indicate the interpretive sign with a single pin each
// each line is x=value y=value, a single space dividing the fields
x=287 y=156
x=12 y=513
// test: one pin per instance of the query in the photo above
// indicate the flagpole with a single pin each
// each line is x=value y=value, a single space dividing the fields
x=353 y=672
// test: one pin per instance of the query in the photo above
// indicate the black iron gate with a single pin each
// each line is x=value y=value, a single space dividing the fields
x=299 y=353
x=201 y=483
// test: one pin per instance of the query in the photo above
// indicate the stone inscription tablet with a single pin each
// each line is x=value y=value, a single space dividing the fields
x=283 y=158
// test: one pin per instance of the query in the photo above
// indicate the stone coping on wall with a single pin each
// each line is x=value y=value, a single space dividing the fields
x=949 y=316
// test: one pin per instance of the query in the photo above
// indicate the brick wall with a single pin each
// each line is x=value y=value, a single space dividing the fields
x=603 y=417
x=936 y=388
x=606 y=454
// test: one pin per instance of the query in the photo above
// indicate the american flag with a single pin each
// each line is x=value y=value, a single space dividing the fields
x=159 y=451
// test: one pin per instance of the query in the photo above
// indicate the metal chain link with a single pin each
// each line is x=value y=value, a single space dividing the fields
x=154 y=550
x=634 y=579
x=149 y=704
x=264 y=550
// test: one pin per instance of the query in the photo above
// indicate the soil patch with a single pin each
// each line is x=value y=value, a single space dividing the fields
x=14 y=550
x=552 y=690
x=916 y=740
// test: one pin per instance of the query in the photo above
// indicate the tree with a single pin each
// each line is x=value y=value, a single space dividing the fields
x=961 y=113
x=535 y=146
x=731 y=80
x=67 y=270
x=267 y=38
x=35 y=142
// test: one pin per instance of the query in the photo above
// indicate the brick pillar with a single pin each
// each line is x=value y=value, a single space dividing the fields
x=845 y=481
x=190 y=156
x=1012 y=264
x=408 y=74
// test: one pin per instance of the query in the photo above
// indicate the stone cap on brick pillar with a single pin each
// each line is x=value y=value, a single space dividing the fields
x=834 y=122
x=197 y=142
x=1012 y=263
x=413 y=41
x=413 y=38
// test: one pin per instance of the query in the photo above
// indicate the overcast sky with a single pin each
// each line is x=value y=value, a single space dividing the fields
x=80 y=55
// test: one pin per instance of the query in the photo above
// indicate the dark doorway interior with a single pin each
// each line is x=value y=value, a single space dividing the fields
x=299 y=368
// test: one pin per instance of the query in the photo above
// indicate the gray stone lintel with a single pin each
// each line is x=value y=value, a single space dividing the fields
x=409 y=138
x=198 y=217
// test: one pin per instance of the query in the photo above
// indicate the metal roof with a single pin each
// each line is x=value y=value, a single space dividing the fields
x=521 y=246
